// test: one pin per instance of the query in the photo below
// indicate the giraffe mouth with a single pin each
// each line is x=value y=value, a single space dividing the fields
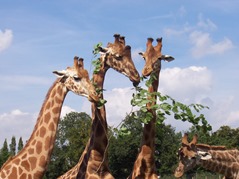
x=93 y=97
x=135 y=83
x=134 y=79
x=179 y=172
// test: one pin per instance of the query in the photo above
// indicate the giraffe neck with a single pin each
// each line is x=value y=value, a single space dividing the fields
x=32 y=160
x=96 y=155
x=222 y=162
x=149 y=128
x=144 y=165
x=93 y=160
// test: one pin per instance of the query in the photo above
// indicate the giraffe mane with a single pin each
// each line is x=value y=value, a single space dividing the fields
x=45 y=100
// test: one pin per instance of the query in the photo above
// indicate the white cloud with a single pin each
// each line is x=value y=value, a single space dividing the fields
x=169 y=32
x=17 y=112
x=205 y=24
x=18 y=81
x=221 y=46
x=65 y=110
x=195 y=85
x=222 y=113
x=118 y=104
x=233 y=118
x=21 y=124
x=16 y=123
x=185 y=83
x=182 y=11
x=5 y=39
x=201 y=40
x=203 y=44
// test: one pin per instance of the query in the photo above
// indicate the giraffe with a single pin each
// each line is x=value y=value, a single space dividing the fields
x=32 y=160
x=214 y=158
x=93 y=162
x=144 y=166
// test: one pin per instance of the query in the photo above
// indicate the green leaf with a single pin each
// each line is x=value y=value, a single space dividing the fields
x=101 y=103
x=175 y=109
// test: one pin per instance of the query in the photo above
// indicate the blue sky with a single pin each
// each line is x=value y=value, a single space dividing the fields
x=37 y=37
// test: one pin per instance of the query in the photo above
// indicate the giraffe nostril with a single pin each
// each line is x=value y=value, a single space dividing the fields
x=94 y=96
x=95 y=93
x=135 y=83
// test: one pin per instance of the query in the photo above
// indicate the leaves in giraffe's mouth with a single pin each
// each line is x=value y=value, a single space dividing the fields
x=101 y=103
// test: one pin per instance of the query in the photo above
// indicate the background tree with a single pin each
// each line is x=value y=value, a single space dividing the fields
x=227 y=136
x=12 y=146
x=4 y=154
x=125 y=143
x=203 y=136
x=72 y=136
x=20 y=144
x=166 y=146
x=123 y=147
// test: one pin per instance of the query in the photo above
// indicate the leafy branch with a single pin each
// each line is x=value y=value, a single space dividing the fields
x=168 y=106
x=96 y=63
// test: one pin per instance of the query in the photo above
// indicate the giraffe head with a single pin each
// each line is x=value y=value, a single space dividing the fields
x=76 y=79
x=117 y=55
x=189 y=156
x=153 y=57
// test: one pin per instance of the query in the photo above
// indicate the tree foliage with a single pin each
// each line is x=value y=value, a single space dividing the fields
x=12 y=146
x=20 y=144
x=124 y=148
x=166 y=145
x=4 y=154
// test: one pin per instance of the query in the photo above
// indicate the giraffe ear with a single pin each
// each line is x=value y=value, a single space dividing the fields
x=103 y=50
x=185 y=139
x=167 y=58
x=60 y=73
x=142 y=54
x=204 y=155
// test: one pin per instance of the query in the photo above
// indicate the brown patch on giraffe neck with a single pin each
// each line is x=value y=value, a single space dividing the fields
x=229 y=170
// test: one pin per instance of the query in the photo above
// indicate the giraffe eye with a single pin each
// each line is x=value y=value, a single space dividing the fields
x=77 y=78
